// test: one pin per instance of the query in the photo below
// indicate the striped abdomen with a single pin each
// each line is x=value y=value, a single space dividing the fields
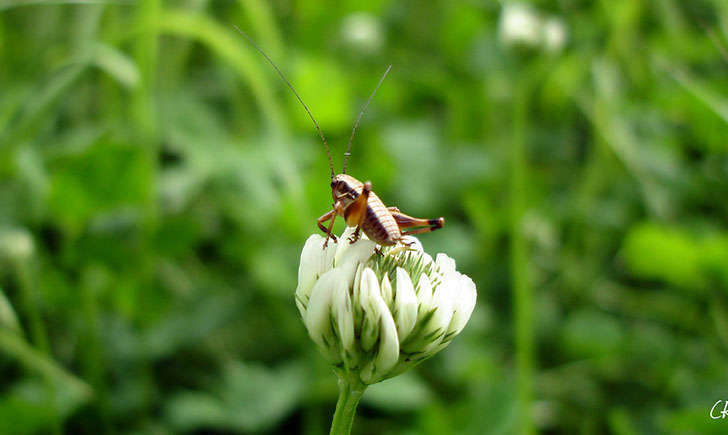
x=379 y=224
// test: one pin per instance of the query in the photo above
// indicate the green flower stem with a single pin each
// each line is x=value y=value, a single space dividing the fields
x=522 y=291
x=350 y=391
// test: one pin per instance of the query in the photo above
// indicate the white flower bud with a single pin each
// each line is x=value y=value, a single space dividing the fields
x=361 y=309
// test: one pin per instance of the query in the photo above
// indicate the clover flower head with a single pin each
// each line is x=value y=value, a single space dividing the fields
x=519 y=25
x=522 y=27
x=363 y=32
x=16 y=244
x=377 y=311
x=554 y=34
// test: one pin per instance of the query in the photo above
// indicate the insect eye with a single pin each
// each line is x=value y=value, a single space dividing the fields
x=333 y=184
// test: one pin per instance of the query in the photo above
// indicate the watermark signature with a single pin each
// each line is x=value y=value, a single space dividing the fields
x=716 y=413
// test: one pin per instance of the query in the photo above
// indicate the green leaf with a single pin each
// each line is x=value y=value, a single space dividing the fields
x=107 y=176
x=406 y=392
x=249 y=397
x=233 y=49
x=589 y=333
x=33 y=406
x=117 y=64
x=8 y=319
x=676 y=256
x=40 y=102
x=61 y=381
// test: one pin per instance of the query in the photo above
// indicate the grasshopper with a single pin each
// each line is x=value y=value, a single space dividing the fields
x=353 y=200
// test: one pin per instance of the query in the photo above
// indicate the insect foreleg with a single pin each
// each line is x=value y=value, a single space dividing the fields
x=331 y=217
x=325 y=218
x=405 y=221
x=360 y=210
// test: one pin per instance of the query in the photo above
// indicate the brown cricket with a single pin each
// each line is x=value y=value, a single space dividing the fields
x=354 y=200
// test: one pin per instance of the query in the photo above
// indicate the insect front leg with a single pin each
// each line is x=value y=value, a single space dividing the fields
x=406 y=221
x=331 y=217
x=359 y=211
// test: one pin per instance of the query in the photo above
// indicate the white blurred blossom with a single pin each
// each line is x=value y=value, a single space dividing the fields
x=376 y=314
x=363 y=32
x=554 y=34
x=16 y=244
x=520 y=25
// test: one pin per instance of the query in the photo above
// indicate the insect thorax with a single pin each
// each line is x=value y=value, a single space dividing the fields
x=346 y=188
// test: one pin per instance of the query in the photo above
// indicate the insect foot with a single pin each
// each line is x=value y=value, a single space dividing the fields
x=326 y=243
x=354 y=237
x=373 y=317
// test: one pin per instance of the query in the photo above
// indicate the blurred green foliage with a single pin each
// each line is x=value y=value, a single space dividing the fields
x=157 y=182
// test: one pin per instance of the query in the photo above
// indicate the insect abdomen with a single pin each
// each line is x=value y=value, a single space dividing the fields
x=379 y=224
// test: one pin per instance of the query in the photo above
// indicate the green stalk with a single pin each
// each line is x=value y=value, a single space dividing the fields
x=522 y=293
x=350 y=391
x=143 y=107
x=38 y=333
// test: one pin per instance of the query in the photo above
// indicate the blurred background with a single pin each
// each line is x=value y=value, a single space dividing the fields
x=158 y=181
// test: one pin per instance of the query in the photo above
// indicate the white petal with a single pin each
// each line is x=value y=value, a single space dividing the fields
x=320 y=303
x=464 y=305
x=315 y=261
x=353 y=254
x=442 y=303
x=405 y=305
x=308 y=265
x=388 y=344
x=433 y=317
x=445 y=263
x=356 y=298
x=363 y=248
x=424 y=295
x=343 y=313
x=387 y=291
x=369 y=294
x=426 y=258
x=318 y=315
x=387 y=354
x=343 y=244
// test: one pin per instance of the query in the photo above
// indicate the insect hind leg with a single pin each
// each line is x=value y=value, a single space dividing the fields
x=406 y=221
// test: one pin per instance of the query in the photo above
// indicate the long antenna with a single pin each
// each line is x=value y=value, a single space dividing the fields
x=356 y=124
x=321 y=134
